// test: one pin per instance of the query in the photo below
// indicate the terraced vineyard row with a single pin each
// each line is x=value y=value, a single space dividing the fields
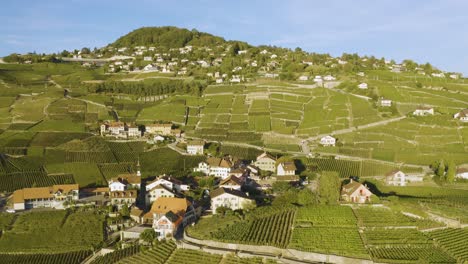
x=60 y=258
x=156 y=255
x=273 y=229
x=405 y=254
x=454 y=241
x=117 y=255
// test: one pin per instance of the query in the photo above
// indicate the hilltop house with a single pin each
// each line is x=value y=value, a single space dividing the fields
x=45 y=197
x=385 y=102
x=161 y=129
x=219 y=167
x=229 y=198
x=462 y=115
x=362 y=86
x=195 y=147
x=462 y=173
x=168 y=213
x=396 y=178
x=422 y=111
x=266 y=162
x=328 y=141
x=231 y=182
x=355 y=192
x=286 y=169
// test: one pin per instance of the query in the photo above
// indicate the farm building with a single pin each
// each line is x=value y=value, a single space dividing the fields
x=286 y=169
x=355 y=192
x=229 y=198
x=328 y=141
x=423 y=111
x=396 y=178
x=462 y=173
x=48 y=197
x=362 y=86
x=195 y=147
x=266 y=162
x=161 y=129
x=462 y=115
x=385 y=102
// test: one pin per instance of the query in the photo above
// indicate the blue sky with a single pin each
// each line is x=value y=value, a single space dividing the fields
x=422 y=30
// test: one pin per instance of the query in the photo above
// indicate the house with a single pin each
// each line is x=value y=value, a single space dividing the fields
x=329 y=78
x=286 y=169
x=318 y=79
x=158 y=138
x=219 y=167
x=113 y=128
x=133 y=131
x=423 y=111
x=168 y=213
x=161 y=129
x=147 y=58
x=362 y=86
x=229 y=198
x=119 y=198
x=231 y=182
x=385 y=102
x=219 y=80
x=158 y=191
x=195 y=147
x=462 y=173
x=360 y=74
x=45 y=197
x=125 y=181
x=266 y=162
x=176 y=133
x=355 y=192
x=119 y=129
x=303 y=78
x=328 y=141
x=395 y=178
x=462 y=115
x=150 y=67
x=168 y=181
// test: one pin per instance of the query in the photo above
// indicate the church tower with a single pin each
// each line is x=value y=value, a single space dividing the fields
x=138 y=168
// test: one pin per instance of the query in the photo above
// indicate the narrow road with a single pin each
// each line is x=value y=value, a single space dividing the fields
x=351 y=129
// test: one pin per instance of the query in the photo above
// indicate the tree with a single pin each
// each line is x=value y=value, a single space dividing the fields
x=124 y=211
x=306 y=197
x=441 y=170
x=451 y=171
x=149 y=235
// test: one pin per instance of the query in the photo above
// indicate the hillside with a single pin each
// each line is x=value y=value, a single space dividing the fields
x=167 y=36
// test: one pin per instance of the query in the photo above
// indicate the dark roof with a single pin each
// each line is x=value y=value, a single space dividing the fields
x=172 y=216
x=232 y=180
x=223 y=190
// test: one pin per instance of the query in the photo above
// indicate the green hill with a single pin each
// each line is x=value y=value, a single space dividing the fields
x=167 y=36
